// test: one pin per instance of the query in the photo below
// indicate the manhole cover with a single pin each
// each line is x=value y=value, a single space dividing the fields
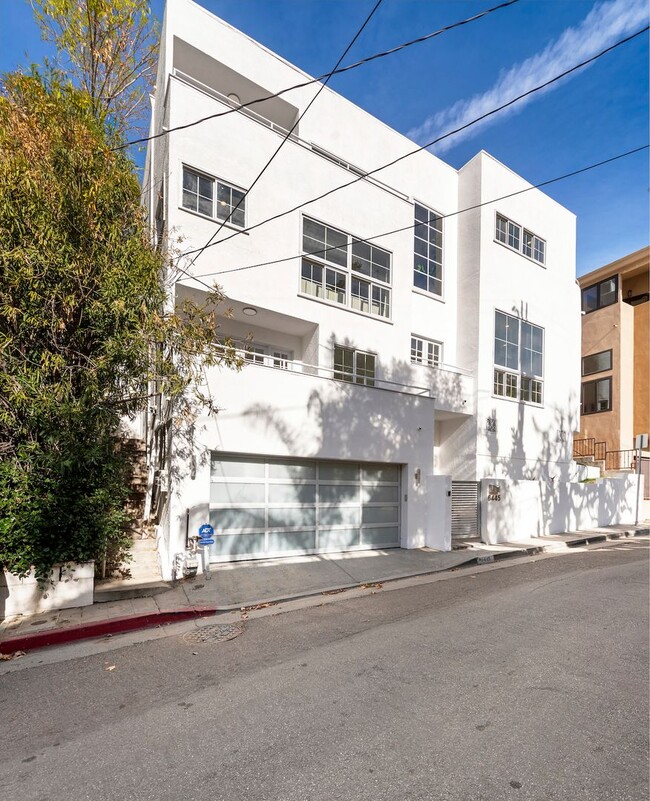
x=218 y=632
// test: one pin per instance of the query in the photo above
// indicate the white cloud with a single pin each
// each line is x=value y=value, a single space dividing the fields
x=605 y=24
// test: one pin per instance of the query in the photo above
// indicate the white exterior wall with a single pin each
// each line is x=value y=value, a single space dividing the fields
x=266 y=411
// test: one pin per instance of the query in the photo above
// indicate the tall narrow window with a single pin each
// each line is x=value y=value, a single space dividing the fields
x=518 y=358
x=427 y=265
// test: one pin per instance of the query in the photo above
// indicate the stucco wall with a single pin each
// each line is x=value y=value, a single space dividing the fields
x=642 y=369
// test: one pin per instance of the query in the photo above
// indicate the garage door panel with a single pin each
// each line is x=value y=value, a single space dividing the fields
x=271 y=506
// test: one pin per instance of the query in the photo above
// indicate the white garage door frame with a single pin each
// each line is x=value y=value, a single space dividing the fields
x=267 y=507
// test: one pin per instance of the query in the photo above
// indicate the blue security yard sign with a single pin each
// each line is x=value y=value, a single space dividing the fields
x=206 y=531
x=209 y=541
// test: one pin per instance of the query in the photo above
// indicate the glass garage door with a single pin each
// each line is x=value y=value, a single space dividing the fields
x=271 y=507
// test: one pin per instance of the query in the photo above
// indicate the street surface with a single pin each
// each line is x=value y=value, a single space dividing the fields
x=527 y=683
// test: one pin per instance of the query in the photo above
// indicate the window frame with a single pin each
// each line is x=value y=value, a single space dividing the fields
x=217 y=185
x=597 y=286
x=528 y=243
x=355 y=374
x=518 y=383
x=363 y=291
x=433 y=357
x=428 y=259
x=604 y=380
x=600 y=369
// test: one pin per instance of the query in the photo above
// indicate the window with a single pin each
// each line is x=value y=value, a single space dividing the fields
x=597 y=362
x=427 y=267
x=341 y=269
x=255 y=354
x=511 y=234
x=199 y=196
x=271 y=357
x=597 y=396
x=518 y=359
x=354 y=365
x=600 y=295
x=425 y=351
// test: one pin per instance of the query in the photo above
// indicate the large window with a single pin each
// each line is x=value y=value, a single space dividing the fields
x=600 y=295
x=518 y=359
x=427 y=270
x=597 y=362
x=215 y=199
x=523 y=241
x=341 y=269
x=354 y=365
x=425 y=351
x=597 y=396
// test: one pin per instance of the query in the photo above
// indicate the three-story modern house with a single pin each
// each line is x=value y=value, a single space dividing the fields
x=408 y=331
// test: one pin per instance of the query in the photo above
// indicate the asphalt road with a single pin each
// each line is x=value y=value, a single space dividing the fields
x=529 y=682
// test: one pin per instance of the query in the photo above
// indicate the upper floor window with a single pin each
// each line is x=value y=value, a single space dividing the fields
x=212 y=198
x=354 y=365
x=341 y=269
x=597 y=362
x=597 y=396
x=518 y=358
x=599 y=295
x=425 y=351
x=514 y=236
x=427 y=267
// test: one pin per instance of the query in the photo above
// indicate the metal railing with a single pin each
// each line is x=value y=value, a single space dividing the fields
x=583 y=447
x=620 y=460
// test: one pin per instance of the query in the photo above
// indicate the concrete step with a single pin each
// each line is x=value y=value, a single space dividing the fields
x=126 y=589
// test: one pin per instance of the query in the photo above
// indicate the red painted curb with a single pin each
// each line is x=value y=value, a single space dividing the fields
x=116 y=625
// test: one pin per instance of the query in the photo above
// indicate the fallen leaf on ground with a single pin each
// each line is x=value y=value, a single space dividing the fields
x=110 y=667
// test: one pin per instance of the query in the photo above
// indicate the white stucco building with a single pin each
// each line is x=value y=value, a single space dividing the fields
x=380 y=367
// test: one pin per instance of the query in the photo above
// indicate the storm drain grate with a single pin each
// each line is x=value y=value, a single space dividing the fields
x=218 y=632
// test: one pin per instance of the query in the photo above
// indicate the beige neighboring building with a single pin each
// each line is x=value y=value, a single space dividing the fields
x=615 y=392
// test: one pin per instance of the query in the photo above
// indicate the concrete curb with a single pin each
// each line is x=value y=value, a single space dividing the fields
x=100 y=628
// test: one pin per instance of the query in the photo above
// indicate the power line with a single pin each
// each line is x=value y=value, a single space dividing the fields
x=327 y=76
x=482 y=117
x=288 y=134
x=370 y=240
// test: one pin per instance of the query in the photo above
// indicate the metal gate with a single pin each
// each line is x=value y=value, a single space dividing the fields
x=465 y=509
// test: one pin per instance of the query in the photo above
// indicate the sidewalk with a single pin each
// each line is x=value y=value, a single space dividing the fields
x=238 y=585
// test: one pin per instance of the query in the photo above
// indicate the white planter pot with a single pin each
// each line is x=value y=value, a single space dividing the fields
x=70 y=585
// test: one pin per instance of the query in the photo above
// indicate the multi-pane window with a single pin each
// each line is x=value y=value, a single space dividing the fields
x=597 y=396
x=600 y=295
x=514 y=236
x=427 y=266
x=518 y=358
x=271 y=357
x=354 y=365
x=199 y=196
x=341 y=269
x=597 y=362
x=425 y=351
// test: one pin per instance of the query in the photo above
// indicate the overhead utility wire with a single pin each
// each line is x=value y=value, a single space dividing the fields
x=371 y=239
x=327 y=76
x=286 y=137
x=422 y=147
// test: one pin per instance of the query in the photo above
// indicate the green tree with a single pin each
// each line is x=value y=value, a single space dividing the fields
x=108 y=49
x=85 y=330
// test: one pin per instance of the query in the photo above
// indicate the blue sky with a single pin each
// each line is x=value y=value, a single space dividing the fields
x=423 y=91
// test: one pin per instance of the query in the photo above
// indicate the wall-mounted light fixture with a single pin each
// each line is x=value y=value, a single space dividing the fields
x=417 y=476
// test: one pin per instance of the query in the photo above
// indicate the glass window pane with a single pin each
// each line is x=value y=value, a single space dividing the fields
x=205 y=206
x=292 y=470
x=206 y=187
x=190 y=180
x=292 y=493
x=288 y=517
x=361 y=250
x=380 y=514
x=235 y=492
x=223 y=467
x=421 y=214
x=378 y=537
x=238 y=218
x=338 y=539
x=339 y=515
x=228 y=519
x=238 y=545
x=314 y=230
x=338 y=493
x=300 y=541
x=500 y=353
x=597 y=362
x=189 y=200
x=608 y=292
x=339 y=472
x=372 y=473
x=590 y=299
x=380 y=494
